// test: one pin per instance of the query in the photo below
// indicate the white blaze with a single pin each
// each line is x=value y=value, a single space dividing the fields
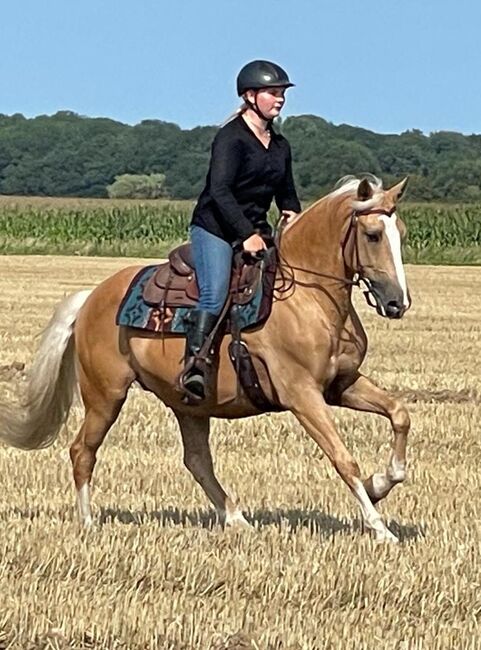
x=394 y=238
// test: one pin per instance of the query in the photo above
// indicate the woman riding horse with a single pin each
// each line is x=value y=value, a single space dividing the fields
x=307 y=355
x=249 y=166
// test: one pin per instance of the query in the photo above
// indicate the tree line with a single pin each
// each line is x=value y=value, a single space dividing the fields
x=70 y=155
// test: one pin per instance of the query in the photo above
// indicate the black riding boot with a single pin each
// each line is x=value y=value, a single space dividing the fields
x=201 y=324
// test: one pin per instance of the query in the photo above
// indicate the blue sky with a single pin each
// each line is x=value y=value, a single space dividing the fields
x=387 y=66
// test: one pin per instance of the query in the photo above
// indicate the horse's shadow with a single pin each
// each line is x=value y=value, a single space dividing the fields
x=317 y=522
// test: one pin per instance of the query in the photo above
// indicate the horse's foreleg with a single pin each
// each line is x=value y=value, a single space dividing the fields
x=311 y=410
x=363 y=395
x=198 y=460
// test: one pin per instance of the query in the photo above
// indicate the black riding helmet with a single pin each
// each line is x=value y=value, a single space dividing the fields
x=261 y=74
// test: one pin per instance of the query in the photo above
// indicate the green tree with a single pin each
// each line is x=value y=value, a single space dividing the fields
x=69 y=155
x=138 y=186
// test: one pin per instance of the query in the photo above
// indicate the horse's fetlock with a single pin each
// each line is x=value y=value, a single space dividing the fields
x=396 y=475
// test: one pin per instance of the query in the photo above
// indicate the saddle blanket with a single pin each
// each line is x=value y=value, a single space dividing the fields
x=134 y=312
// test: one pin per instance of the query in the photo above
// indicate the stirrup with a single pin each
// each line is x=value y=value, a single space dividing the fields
x=188 y=373
x=194 y=386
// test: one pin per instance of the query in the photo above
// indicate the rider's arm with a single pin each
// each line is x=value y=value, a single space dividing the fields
x=286 y=196
x=224 y=166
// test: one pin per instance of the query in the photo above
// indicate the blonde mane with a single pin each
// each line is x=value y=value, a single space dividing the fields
x=345 y=186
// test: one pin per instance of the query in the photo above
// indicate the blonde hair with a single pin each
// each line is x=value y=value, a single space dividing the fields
x=240 y=111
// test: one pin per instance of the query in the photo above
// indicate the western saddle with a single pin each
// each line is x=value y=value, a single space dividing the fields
x=174 y=284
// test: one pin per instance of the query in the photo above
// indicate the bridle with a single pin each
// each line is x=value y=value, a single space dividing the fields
x=356 y=265
x=350 y=249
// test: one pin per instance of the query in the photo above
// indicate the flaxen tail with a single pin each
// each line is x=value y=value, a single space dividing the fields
x=36 y=422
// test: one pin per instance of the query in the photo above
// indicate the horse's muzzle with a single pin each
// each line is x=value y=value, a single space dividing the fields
x=388 y=301
x=395 y=309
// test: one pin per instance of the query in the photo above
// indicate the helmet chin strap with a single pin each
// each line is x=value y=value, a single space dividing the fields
x=257 y=110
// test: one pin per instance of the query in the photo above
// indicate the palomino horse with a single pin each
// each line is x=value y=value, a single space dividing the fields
x=307 y=354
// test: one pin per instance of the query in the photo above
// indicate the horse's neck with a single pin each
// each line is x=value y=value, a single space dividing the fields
x=313 y=248
x=316 y=240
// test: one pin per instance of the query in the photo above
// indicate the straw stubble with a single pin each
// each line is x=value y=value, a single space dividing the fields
x=157 y=571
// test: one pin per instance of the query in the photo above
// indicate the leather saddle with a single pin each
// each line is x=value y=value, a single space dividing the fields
x=174 y=284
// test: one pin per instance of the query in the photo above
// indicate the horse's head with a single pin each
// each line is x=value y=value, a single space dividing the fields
x=377 y=232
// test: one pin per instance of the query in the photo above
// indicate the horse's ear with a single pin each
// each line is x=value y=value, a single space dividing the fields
x=364 y=191
x=397 y=191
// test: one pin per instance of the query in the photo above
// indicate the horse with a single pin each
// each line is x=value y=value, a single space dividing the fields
x=307 y=354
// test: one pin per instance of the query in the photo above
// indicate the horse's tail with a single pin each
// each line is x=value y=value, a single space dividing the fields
x=36 y=422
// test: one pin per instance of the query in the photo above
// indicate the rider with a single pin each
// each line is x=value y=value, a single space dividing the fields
x=250 y=165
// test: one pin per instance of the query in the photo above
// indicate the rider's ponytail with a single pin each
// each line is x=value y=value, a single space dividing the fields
x=240 y=111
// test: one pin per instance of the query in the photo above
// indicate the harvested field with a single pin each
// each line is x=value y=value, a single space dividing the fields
x=158 y=572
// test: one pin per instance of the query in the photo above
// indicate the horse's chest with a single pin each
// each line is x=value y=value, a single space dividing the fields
x=341 y=361
x=332 y=367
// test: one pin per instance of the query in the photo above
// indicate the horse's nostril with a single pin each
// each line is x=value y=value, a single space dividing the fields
x=394 y=309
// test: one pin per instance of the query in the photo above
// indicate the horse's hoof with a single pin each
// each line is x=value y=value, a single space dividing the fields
x=87 y=524
x=237 y=521
x=386 y=537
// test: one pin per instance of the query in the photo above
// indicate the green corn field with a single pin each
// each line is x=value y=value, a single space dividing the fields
x=443 y=234
x=437 y=234
x=93 y=228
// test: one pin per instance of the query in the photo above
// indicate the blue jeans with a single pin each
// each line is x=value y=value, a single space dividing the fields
x=213 y=263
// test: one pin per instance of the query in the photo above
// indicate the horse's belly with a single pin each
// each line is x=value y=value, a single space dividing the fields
x=158 y=363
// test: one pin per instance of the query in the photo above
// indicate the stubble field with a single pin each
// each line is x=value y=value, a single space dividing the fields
x=157 y=571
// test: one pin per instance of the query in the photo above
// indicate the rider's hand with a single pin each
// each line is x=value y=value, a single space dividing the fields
x=254 y=243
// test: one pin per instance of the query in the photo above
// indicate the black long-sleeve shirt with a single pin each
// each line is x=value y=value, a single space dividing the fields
x=243 y=178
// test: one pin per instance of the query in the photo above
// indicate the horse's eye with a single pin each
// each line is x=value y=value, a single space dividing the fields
x=373 y=236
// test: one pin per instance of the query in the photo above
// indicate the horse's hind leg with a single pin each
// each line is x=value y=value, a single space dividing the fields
x=101 y=411
x=363 y=395
x=198 y=460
